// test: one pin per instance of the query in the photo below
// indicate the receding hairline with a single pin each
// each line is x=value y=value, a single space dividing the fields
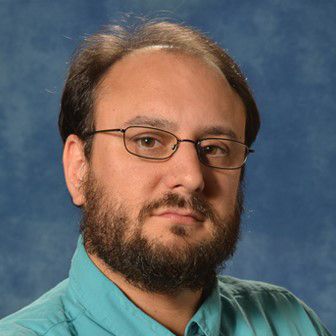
x=170 y=49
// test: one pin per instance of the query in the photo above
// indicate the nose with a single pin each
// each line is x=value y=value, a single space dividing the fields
x=185 y=170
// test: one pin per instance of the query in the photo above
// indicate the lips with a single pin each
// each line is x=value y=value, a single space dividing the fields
x=181 y=215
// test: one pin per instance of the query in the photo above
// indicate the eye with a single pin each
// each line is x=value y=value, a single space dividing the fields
x=216 y=150
x=147 y=142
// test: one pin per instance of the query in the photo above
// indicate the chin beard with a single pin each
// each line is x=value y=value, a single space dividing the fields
x=111 y=235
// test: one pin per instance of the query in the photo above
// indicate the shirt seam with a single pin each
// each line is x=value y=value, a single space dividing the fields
x=259 y=290
x=60 y=322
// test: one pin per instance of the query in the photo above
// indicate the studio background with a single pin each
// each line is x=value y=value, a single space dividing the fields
x=286 y=48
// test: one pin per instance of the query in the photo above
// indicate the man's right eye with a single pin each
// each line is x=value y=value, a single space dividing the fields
x=147 y=142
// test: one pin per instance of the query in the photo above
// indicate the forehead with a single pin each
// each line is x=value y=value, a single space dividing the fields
x=183 y=91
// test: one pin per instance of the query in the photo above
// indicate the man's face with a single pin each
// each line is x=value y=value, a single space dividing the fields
x=175 y=215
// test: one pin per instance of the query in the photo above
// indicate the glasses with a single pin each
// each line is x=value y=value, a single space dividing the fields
x=156 y=144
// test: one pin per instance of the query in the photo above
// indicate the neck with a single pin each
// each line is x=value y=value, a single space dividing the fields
x=173 y=311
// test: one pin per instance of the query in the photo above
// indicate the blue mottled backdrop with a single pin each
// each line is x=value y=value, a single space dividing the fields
x=287 y=50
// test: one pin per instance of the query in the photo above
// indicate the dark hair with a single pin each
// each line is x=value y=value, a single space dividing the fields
x=100 y=51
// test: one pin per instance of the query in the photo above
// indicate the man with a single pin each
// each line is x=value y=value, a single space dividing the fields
x=157 y=124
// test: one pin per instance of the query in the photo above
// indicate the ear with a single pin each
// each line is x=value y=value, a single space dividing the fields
x=75 y=167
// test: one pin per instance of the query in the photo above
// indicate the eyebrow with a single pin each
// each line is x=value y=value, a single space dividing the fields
x=220 y=130
x=172 y=126
x=153 y=122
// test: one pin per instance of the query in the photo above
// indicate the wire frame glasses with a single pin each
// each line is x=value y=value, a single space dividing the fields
x=156 y=144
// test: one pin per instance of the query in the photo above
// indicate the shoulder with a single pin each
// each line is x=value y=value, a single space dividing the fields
x=274 y=305
x=256 y=295
x=240 y=287
x=41 y=317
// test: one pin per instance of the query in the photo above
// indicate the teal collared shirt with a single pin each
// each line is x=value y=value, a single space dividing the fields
x=88 y=304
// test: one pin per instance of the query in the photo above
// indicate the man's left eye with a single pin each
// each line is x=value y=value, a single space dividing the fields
x=215 y=150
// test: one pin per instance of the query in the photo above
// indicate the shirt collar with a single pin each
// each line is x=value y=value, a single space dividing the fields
x=106 y=303
x=208 y=316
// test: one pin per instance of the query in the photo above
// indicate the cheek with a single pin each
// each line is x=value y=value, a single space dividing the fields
x=222 y=190
x=129 y=177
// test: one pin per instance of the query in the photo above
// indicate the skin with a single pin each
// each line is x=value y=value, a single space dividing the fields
x=192 y=95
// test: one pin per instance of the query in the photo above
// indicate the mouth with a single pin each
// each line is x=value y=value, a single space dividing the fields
x=181 y=216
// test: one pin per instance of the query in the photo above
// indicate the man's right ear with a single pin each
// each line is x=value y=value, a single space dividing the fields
x=75 y=168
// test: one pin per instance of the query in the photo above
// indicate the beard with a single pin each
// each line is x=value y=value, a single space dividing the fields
x=110 y=234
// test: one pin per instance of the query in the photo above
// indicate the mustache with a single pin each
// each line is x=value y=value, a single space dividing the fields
x=195 y=202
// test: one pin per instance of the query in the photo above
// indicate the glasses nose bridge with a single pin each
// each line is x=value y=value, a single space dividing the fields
x=187 y=140
x=194 y=142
